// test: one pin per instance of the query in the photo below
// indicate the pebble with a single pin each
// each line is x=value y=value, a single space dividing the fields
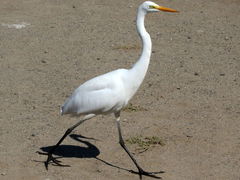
x=200 y=31
x=125 y=120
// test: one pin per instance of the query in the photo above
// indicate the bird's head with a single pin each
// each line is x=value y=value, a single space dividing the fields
x=149 y=6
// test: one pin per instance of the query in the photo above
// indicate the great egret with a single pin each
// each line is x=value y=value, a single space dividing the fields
x=111 y=92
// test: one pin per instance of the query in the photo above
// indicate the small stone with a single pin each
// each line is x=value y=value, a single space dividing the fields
x=73 y=6
x=43 y=61
x=196 y=74
x=200 y=31
x=222 y=74
x=226 y=38
x=125 y=120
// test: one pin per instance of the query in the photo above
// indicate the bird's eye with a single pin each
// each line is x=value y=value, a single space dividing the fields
x=151 y=7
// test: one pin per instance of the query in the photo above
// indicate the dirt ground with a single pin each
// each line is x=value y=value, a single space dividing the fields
x=190 y=98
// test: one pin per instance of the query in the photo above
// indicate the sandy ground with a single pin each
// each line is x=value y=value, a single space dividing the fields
x=190 y=97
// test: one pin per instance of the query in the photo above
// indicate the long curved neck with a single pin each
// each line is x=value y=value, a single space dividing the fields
x=139 y=69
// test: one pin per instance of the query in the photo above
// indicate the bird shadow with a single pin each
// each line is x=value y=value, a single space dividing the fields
x=87 y=150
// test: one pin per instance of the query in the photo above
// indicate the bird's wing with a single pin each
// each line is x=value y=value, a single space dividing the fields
x=101 y=94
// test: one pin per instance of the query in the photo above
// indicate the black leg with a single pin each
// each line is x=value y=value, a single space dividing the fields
x=121 y=142
x=69 y=130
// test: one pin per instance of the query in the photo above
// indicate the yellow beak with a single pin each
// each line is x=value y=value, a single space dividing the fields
x=161 y=8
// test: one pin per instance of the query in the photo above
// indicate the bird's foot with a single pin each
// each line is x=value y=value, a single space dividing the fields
x=51 y=159
x=141 y=173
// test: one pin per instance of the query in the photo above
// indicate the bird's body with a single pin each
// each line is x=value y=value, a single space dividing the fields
x=101 y=95
x=111 y=92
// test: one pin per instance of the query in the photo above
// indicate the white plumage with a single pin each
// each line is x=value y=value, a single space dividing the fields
x=103 y=94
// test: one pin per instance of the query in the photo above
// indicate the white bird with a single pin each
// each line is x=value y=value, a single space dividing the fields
x=111 y=92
